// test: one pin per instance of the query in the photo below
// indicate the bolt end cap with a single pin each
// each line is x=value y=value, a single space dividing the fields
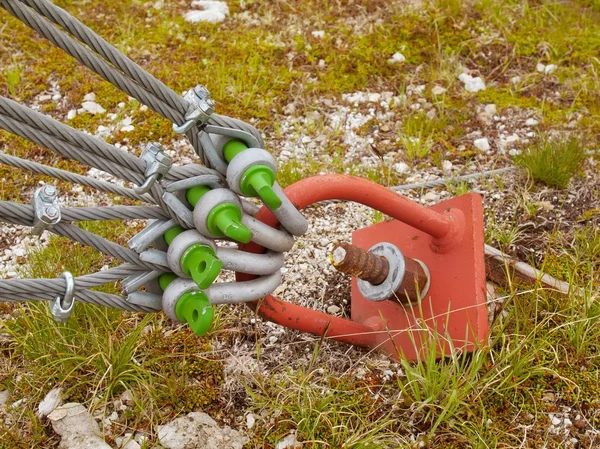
x=226 y=220
x=195 y=309
x=258 y=181
x=200 y=262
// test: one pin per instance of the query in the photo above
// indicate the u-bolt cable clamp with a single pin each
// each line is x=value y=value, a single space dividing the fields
x=62 y=308
x=46 y=210
x=157 y=166
x=201 y=107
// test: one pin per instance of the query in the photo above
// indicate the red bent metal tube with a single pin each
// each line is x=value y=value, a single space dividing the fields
x=446 y=230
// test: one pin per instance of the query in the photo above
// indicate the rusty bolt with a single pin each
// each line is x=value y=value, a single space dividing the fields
x=377 y=280
x=357 y=262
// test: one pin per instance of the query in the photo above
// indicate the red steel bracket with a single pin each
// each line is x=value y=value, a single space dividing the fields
x=448 y=237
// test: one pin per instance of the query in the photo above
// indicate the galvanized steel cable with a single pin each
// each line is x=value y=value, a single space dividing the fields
x=22 y=214
x=149 y=91
x=47 y=289
x=74 y=178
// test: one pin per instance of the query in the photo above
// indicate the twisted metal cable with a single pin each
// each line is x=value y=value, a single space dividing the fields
x=70 y=135
x=68 y=150
x=62 y=40
x=74 y=178
x=87 y=296
x=47 y=289
x=442 y=182
x=156 y=91
x=107 y=213
x=22 y=214
x=90 y=158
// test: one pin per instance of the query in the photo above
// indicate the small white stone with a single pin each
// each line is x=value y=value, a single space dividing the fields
x=4 y=397
x=92 y=107
x=401 y=167
x=332 y=310
x=127 y=128
x=431 y=196
x=438 y=90
x=531 y=122
x=43 y=98
x=90 y=97
x=550 y=68
x=131 y=444
x=18 y=403
x=446 y=166
x=374 y=97
x=515 y=79
x=514 y=152
x=273 y=340
x=289 y=442
x=121 y=105
x=490 y=109
x=49 y=403
x=318 y=33
x=250 y=420
x=212 y=12
x=57 y=96
x=482 y=144
x=555 y=420
x=127 y=398
x=540 y=67
x=471 y=84
x=567 y=422
x=397 y=58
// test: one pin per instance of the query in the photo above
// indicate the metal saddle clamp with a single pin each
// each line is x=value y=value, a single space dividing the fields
x=201 y=107
x=46 y=210
x=157 y=165
x=62 y=308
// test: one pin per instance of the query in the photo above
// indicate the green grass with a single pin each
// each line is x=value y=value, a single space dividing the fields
x=553 y=161
x=256 y=63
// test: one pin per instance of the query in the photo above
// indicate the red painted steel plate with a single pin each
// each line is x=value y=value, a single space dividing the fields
x=454 y=313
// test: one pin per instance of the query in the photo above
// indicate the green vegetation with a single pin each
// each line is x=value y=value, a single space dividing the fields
x=264 y=64
x=553 y=161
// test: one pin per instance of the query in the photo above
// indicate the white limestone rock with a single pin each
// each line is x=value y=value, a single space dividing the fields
x=197 y=430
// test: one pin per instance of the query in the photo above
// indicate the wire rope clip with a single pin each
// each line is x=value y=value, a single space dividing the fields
x=62 y=308
x=46 y=210
x=157 y=166
x=201 y=107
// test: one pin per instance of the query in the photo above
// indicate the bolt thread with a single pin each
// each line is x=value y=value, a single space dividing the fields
x=357 y=262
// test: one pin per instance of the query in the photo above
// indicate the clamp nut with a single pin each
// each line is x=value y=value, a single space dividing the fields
x=158 y=165
x=201 y=107
x=46 y=211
